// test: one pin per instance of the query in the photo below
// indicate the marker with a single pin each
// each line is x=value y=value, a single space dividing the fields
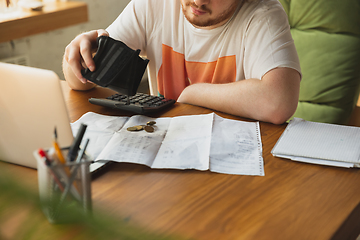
x=74 y=148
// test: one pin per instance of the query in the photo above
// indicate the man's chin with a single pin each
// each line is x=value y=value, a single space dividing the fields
x=198 y=21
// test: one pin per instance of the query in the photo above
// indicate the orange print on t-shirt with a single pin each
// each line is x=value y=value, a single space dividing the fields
x=175 y=73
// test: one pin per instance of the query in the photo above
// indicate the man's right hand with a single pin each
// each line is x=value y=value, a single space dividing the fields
x=79 y=55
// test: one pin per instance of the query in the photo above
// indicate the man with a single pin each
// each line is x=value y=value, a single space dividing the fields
x=235 y=56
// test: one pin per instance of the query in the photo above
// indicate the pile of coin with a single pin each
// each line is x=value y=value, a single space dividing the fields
x=149 y=127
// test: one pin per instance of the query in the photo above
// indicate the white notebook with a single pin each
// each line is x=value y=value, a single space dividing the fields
x=319 y=143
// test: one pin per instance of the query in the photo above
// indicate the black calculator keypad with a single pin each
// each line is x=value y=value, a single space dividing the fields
x=139 y=103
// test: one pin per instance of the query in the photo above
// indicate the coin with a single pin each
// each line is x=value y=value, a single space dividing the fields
x=149 y=129
x=150 y=123
x=132 y=129
x=135 y=128
x=139 y=127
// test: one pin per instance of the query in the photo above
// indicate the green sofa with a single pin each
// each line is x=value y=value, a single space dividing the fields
x=327 y=37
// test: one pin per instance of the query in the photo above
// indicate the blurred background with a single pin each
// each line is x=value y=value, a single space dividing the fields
x=45 y=50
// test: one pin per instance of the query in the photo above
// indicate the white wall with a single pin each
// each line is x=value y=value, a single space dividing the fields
x=45 y=50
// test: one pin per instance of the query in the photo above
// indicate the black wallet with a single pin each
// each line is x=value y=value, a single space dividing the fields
x=118 y=67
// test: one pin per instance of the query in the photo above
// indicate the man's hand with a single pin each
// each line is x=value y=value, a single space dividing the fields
x=79 y=55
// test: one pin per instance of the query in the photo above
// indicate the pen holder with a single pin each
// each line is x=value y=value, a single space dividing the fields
x=64 y=189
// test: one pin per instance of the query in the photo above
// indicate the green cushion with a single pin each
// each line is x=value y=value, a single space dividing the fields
x=327 y=37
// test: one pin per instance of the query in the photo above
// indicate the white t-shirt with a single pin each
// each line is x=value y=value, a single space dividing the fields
x=255 y=40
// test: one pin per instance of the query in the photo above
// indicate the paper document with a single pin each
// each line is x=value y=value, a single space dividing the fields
x=319 y=143
x=202 y=142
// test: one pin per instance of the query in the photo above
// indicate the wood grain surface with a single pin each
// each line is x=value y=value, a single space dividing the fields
x=292 y=201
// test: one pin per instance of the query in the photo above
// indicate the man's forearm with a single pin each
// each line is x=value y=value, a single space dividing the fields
x=272 y=100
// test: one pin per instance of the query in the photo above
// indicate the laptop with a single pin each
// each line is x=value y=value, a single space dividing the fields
x=31 y=106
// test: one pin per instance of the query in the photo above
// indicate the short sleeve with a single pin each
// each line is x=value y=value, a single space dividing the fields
x=130 y=26
x=268 y=42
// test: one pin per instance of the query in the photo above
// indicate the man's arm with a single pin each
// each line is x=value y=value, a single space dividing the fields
x=273 y=99
x=79 y=55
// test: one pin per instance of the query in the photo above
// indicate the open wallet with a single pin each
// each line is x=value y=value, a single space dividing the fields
x=118 y=67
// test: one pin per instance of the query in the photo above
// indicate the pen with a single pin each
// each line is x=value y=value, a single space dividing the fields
x=43 y=155
x=74 y=173
x=74 y=148
x=61 y=171
x=61 y=158
x=85 y=177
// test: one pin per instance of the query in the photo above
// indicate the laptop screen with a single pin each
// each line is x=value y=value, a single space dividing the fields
x=31 y=106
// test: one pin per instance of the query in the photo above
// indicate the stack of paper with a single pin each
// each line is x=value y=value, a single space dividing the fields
x=319 y=143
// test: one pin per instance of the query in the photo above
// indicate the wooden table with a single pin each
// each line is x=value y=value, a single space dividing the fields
x=292 y=201
x=53 y=16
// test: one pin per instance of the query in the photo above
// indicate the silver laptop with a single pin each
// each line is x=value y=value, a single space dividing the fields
x=31 y=106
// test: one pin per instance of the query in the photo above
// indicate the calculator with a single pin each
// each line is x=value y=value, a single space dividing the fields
x=140 y=103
